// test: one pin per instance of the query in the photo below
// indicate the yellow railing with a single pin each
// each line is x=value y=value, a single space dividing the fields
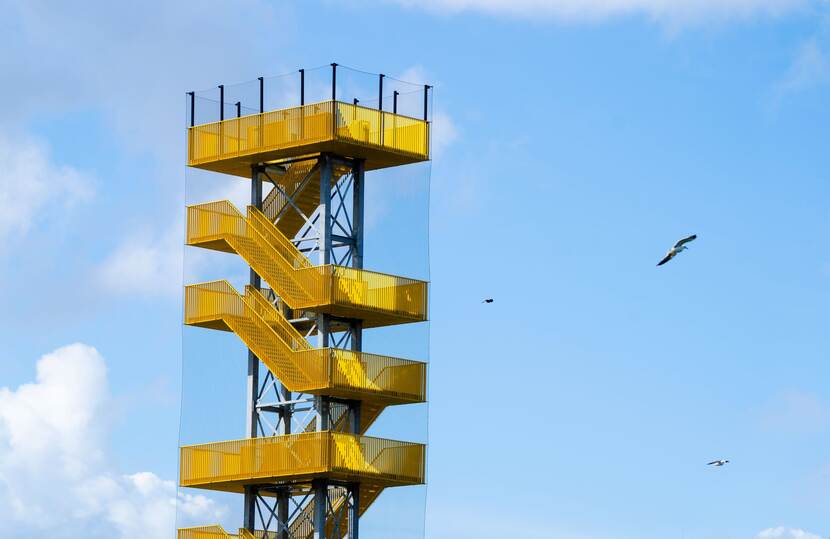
x=293 y=361
x=229 y=465
x=300 y=285
x=306 y=125
x=214 y=531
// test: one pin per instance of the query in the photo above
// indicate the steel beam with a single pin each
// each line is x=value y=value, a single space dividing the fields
x=358 y=173
x=252 y=414
x=354 y=510
x=320 y=508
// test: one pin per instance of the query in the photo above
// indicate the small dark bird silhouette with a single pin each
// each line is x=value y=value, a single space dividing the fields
x=488 y=300
x=718 y=463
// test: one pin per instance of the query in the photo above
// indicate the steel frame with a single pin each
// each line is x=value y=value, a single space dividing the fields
x=335 y=232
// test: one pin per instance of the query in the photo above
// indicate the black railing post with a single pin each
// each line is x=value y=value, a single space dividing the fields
x=333 y=99
x=238 y=109
x=261 y=94
x=380 y=92
x=221 y=119
x=395 y=102
x=426 y=101
x=334 y=82
x=192 y=108
x=221 y=102
x=302 y=87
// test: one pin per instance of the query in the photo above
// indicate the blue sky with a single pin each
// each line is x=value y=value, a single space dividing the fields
x=576 y=141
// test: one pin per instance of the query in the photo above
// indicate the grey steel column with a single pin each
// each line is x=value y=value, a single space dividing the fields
x=253 y=361
x=249 y=512
x=358 y=192
x=324 y=244
x=320 y=503
x=321 y=404
x=283 y=496
x=354 y=511
x=358 y=195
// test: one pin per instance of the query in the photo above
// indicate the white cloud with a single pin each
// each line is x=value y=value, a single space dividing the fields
x=796 y=411
x=145 y=264
x=444 y=130
x=786 y=533
x=83 y=56
x=592 y=10
x=151 y=264
x=810 y=67
x=54 y=474
x=30 y=183
x=444 y=133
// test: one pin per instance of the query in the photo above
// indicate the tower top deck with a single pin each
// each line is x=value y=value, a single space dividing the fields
x=289 y=127
x=383 y=139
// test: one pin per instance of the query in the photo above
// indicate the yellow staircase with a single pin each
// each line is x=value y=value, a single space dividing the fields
x=301 y=182
x=376 y=298
x=377 y=380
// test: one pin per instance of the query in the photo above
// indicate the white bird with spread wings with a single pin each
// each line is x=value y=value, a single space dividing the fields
x=678 y=247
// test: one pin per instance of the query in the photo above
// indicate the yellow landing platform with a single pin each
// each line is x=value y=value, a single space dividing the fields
x=297 y=458
x=383 y=139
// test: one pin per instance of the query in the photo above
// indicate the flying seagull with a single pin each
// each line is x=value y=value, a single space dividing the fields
x=488 y=300
x=717 y=463
x=679 y=246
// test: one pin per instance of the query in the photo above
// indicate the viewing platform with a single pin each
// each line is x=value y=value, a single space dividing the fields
x=300 y=458
x=383 y=139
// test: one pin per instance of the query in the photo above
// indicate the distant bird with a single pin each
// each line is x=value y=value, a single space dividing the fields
x=488 y=300
x=679 y=246
x=717 y=463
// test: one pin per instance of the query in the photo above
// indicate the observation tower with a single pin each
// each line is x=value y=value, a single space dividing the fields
x=305 y=468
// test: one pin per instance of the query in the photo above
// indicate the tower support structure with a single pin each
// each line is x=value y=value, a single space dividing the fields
x=305 y=467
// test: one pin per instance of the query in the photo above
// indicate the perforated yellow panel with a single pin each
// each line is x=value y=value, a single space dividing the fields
x=230 y=466
x=382 y=138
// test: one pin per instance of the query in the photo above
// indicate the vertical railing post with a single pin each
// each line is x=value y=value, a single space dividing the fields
x=334 y=81
x=380 y=106
x=192 y=108
x=221 y=119
x=261 y=94
x=261 y=120
x=221 y=102
x=238 y=127
x=395 y=118
x=190 y=135
x=333 y=100
x=426 y=117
